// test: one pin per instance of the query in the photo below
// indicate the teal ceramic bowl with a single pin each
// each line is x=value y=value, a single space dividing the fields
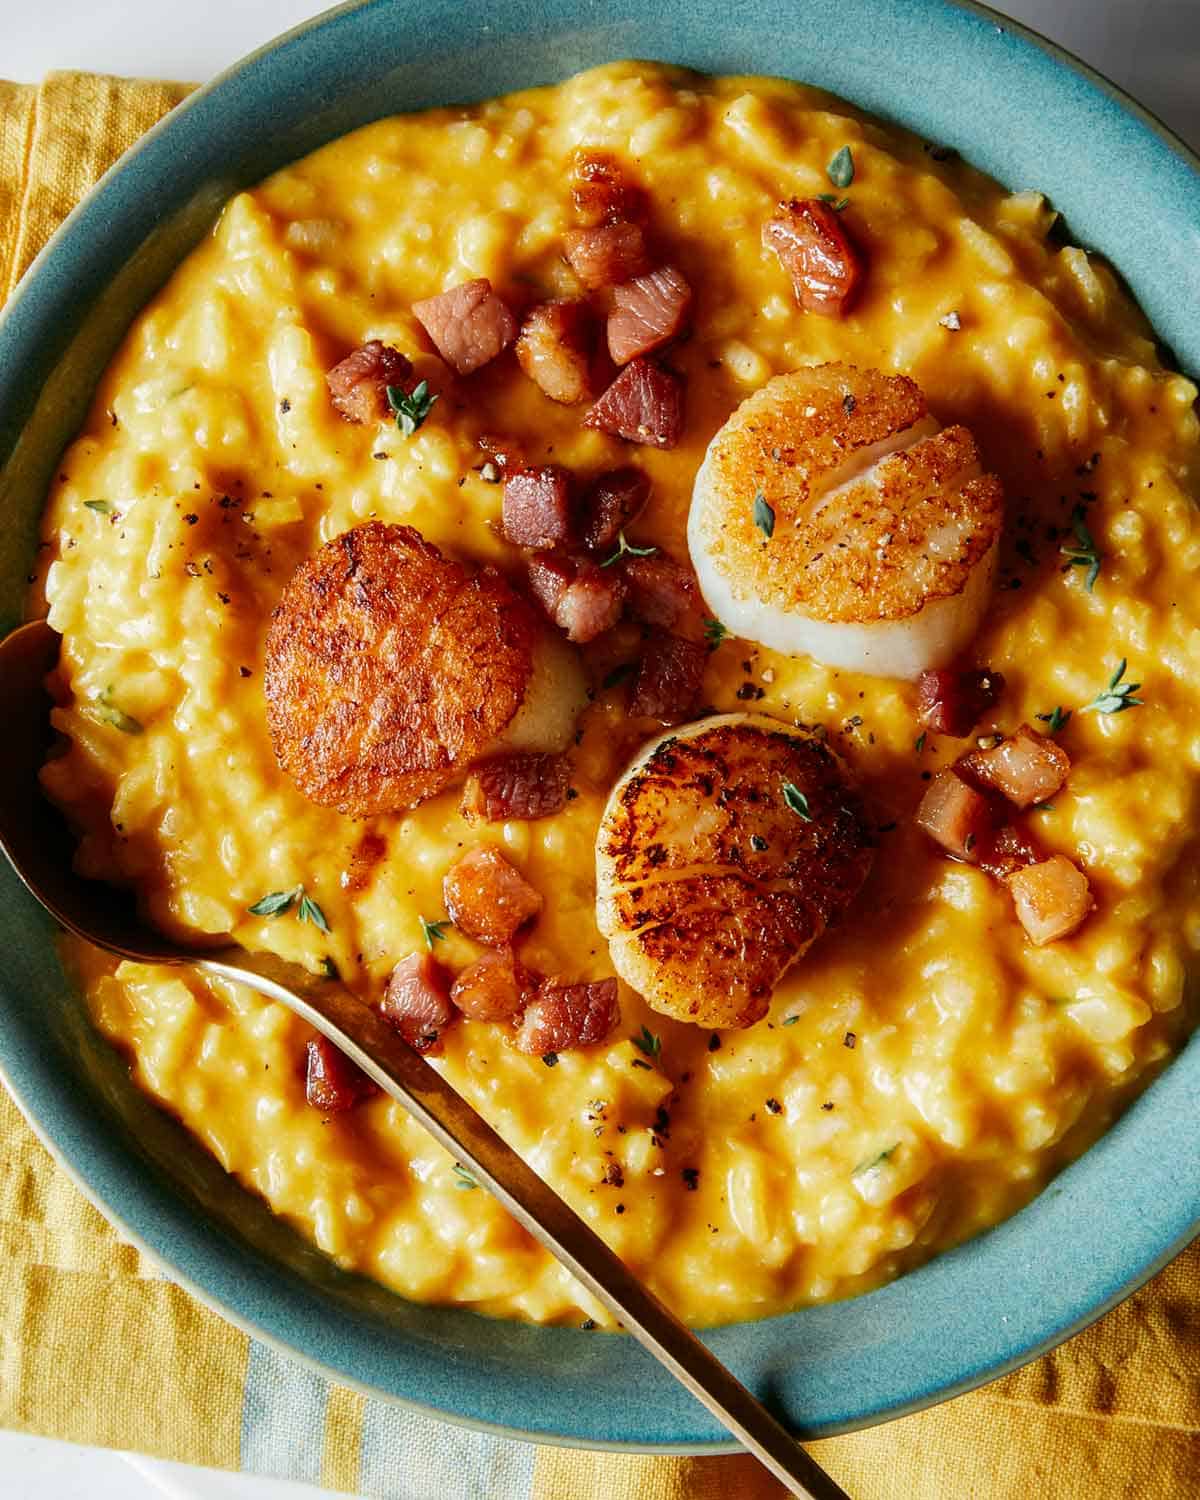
x=1016 y=108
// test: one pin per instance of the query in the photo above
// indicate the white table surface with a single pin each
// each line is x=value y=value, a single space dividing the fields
x=1149 y=47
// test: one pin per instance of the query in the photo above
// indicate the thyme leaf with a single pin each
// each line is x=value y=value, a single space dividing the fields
x=840 y=170
x=650 y=1044
x=714 y=633
x=1117 y=696
x=627 y=549
x=410 y=409
x=278 y=902
x=1084 y=553
x=764 y=516
x=309 y=911
x=797 y=801
x=105 y=711
x=274 y=904
x=1057 y=719
x=433 y=932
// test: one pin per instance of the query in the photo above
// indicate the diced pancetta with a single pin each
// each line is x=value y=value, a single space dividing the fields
x=957 y=816
x=608 y=505
x=564 y=1016
x=494 y=988
x=1027 y=767
x=644 y=404
x=332 y=1083
x=487 y=899
x=607 y=254
x=469 y=324
x=601 y=189
x=537 y=507
x=814 y=249
x=557 y=349
x=950 y=702
x=417 y=1002
x=661 y=590
x=1051 y=899
x=647 y=313
x=669 y=678
x=358 y=384
x=523 y=785
x=581 y=598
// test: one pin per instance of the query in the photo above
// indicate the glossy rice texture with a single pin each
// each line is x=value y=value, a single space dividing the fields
x=923 y=1071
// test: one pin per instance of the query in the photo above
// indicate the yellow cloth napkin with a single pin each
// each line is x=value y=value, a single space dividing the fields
x=96 y=1346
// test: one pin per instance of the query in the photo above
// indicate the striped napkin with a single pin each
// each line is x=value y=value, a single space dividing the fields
x=97 y=1346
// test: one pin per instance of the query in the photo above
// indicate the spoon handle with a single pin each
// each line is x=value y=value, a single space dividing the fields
x=368 y=1041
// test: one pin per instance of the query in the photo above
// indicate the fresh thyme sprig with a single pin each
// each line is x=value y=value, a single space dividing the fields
x=1117 y=696
x=764 y=516
x=1084 y=553
x=411 y=409
x=840 y=170
x=1058 y=718
x=627 y=549
x=433 y=932
x=650 y=1044
x=797 y=801
x=278 y=902
x=714 y=633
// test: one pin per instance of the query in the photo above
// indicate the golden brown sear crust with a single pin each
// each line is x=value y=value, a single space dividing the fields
x=714 y=877
x=390 y=668
x=847 y=547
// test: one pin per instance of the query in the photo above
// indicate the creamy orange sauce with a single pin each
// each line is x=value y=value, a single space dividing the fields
x=924 y=1071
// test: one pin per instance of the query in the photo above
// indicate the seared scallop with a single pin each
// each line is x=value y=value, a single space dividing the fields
x=832 y=517
x=726 y=849
x=391 y=669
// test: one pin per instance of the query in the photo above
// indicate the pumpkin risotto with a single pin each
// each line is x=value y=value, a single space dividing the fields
x=392 y=356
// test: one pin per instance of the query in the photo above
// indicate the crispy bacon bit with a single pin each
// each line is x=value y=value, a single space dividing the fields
x=557 y=349
x=1010 y=849
x=494 y=988
x=469 y=324
x=954 y=702
x=957 y=816
x=417 y=1002
x=644 y=404
x=1026 y=768
x=568 y=1015
x=487 y=899
x=606 y=254
x=661 y=590
x=523 y=785
x=609 y=503
x=812 y=245
x=332 y=1082
x=1051 y=898
x=647 y=313
x=601 y=191
x=537 y=507
x=358 y=384
x=668 y=679
x=581 y=598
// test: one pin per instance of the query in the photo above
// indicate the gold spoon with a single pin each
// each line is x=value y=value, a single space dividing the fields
x=39 y=847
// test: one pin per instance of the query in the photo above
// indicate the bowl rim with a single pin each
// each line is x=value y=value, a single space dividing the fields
x=28 y=290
